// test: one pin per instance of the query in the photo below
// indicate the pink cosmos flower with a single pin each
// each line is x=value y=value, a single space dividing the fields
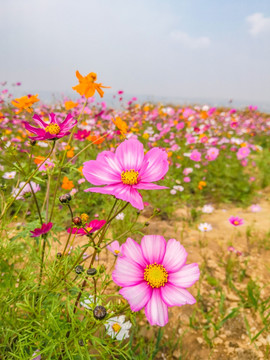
x=186 y=179
x=26 y=190
x=236 y=221
x=255 y=208
x=195 y=155
x=155 y=275
x=45 y=228
x=93 y=226
x=212 y=154
x=115 y=248
x=46 y=166
x=187 y=171
x=82 y=134
x=126 y=171
x=242 y=153
x=50 y=131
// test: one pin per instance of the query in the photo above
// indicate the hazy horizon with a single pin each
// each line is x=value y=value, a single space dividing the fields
x=172 y=49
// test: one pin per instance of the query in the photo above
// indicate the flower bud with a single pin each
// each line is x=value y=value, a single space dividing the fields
x=80 y=342
x=146 y=223
x=99 y=312
x=59 y=255
x=77 y=221
x=91 y=271
x=64 y=199
x=79 y=269
x=33 y=142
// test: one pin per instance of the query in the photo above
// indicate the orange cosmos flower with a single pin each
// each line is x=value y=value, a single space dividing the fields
x=38 y=160
x=70 y=105
x=25 y=102
x=87 y=85
x=201 y=185
x=67 y=184
x=121 y=125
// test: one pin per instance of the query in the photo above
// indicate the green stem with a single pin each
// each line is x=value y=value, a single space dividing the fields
x=28 y=180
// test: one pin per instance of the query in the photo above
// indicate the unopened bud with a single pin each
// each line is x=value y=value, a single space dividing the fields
x=91 y=271
x=64 y=199
x=99 y=312
x=59 y=255
x=79 y=269
x=77 y=221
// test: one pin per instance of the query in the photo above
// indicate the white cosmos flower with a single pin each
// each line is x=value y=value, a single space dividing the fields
x=173 y=191
x=9 y=175
x=87 y=302
x=120 y=216
x=207 y=209
x=178 y=188
x=117 y=327
x=204 y=227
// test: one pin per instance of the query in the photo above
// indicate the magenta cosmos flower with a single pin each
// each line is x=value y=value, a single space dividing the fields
x=126 y=171
x=195 y=155
x=236 y=221
x=91 y=227
x=155 y=275
x=45 y=228
x=50 y=131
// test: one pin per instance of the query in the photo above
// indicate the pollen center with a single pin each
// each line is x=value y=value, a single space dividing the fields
x=116 y=327
x=236 y=222
x=89 y=229
x=130 y=177
x=53 y=129
x=155 y=275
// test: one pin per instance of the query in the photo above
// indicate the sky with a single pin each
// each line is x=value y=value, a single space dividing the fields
x=170 y=48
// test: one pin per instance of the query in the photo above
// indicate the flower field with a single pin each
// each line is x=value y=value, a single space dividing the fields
x=133 y=231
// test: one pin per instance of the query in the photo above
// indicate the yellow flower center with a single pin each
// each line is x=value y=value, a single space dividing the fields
x=53 y=129
x=130 y=177
x=155 y=275
x=89 y=229
x=116 y=251
x=236 y=222
x=116 y=327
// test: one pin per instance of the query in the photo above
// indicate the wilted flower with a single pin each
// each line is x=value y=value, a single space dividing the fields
x=117 y=327
x=45 y=228
x=154 y=275
x=126 y=171
x=52 y=130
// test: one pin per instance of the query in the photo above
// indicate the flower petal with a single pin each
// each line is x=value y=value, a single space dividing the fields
x=98 y=172
x=137 y=296
x=126 y=272
x=153 y=248
x=39 y=121
x=149 y=186
x=186 y=276
x=130 y=154
x=127 y=193
x=156 y=310
x=157 y=165
x=175 y=296
x=175 y=256
x=132 y=250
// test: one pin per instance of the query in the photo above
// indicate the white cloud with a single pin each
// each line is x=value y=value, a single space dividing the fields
x=258 y=24
x=191 y=42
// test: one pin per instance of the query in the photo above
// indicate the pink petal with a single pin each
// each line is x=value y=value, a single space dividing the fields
x=175 y=296
x=149 y=186
x=68 y=120
x=156 y=310
x=126 y=272
x=157 y=166
x=153 y=248
x=127 y=193
x=132 y=250
x=99 y=173
x=175 y=256
x=186 y=276
x=33 y=129
x=39 y=121
x=137 y=296
x=130 y=154
x=102 y=190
